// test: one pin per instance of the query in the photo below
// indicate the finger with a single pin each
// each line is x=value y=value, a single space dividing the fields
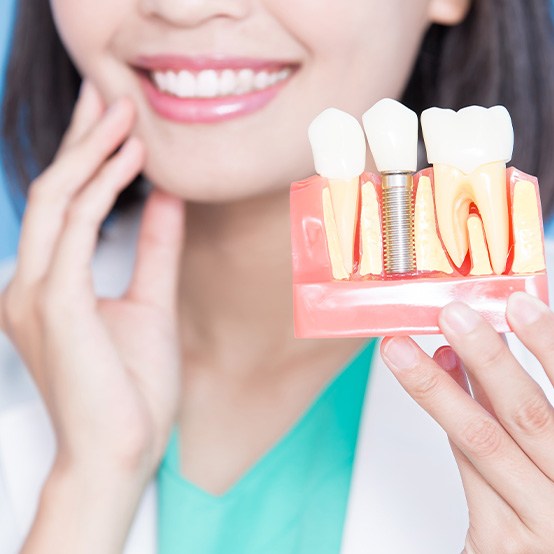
x=533 y=323
x=71 y=261
x=518 y=402
x=155 y=278
x=88 y=110
x=481 y=438
x=51 y=193
x=451 y=362
x=484 y=503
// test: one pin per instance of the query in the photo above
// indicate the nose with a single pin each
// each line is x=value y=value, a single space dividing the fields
x=191 y=13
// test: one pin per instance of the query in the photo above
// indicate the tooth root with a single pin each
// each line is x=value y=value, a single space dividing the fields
x=452 y=201
x=430 y=254
x=333 y=243
x=344 y=198
x=528 y=237
x=491 y=197
x=480 y=263
x=371 y=262
x=454 y=192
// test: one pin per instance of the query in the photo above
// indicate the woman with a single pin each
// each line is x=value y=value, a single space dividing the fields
x=201 y=342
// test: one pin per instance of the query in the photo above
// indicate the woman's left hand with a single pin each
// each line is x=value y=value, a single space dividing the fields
x=502 y=437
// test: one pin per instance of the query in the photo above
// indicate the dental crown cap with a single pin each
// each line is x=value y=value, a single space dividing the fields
x=338 y=145
x=391 y=130
x=469 y=138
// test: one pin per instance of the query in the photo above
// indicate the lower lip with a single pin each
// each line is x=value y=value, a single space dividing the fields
x=207 y=110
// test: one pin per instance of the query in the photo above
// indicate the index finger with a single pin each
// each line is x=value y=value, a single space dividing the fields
x=88 y=110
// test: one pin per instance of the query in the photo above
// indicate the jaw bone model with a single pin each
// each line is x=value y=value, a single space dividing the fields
x=468 y=203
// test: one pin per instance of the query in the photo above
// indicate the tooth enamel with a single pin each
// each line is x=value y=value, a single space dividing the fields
x=261 y=80
x=391 y=130
x=469 y=138
x=371 y=262
x=480 y=263
x=338 y=145
x=172 y=82
x=227 y=82
x=430 y=254
x=245 y=81
x=186 y=85
x=273 y=78
x=528 y=239
x=283 y=74
x=469 y=150
x=161 y=80
x=207 y=83
x=339 y=150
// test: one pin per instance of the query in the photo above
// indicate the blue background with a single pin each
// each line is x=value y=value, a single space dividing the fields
x=9 y=224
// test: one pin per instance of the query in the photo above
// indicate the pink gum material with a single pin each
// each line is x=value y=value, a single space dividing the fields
x=374 y=306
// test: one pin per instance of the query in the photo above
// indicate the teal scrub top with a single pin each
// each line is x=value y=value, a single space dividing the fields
x=292 y=500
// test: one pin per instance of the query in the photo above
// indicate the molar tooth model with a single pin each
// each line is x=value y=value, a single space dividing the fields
x=377 y=254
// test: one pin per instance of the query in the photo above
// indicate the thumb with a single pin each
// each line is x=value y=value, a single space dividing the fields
x=156 y=274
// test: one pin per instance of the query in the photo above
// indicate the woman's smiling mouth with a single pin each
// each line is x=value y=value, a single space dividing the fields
x=210 y=89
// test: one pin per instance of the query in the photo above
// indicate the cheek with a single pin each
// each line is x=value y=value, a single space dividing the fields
x=86 y=28
x=353 y=44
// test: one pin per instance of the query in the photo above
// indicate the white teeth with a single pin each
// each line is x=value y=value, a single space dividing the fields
x=186 y=84
x=469 y=138
x=261 y=80
x=338 y=144
x=227 y=82
x=210 y=83
x=245 y=81
x=391 y=130
x=207 y=84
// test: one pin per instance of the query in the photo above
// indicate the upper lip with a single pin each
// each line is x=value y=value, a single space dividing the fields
x=177 y=62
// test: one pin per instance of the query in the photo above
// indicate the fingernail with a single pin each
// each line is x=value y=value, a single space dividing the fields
x=447 y=359
x=525 y=309
x=401 y=352
x=460 y=318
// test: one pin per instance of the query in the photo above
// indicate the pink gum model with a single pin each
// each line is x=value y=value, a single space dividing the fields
x=384 y=305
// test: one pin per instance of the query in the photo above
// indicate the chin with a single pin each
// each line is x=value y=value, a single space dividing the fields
x=207 y=186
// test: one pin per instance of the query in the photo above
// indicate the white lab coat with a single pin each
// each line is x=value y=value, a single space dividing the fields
x=406 y=494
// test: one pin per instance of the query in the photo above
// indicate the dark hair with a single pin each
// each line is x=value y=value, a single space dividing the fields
x=502 y=53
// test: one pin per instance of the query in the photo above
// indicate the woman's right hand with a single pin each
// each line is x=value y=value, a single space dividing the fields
x=108 y=368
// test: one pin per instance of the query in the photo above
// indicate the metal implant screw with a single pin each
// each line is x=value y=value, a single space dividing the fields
x=398 y=223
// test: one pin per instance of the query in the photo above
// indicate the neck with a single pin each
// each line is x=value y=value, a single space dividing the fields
x=236 y=288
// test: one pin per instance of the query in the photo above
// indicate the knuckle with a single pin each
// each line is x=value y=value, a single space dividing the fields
x=482 y=437
x=14 y=308
x=425 y=384
x=534 y=414
x=493 y=356
x=36 y=190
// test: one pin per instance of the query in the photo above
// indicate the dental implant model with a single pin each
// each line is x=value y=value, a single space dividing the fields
x=377 y=254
